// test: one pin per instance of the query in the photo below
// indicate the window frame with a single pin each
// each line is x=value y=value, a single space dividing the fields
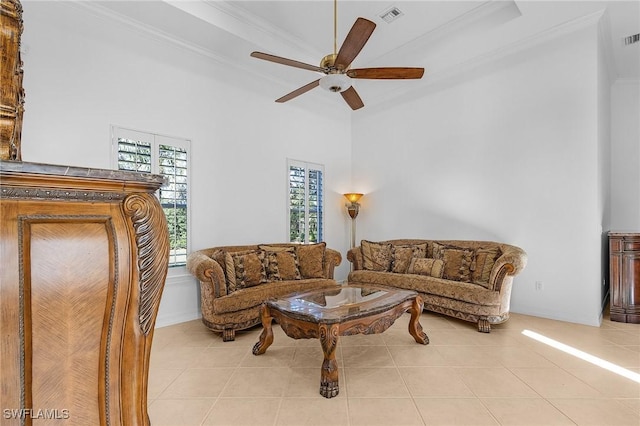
x=307 y=166
x=155 y=140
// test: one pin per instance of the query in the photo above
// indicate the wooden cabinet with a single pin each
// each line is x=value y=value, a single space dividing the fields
x=624 y=275
x=84 y=259
x=12 y=92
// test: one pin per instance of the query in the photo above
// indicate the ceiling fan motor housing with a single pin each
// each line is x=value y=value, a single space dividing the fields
x=335 y=80
x=328 y=61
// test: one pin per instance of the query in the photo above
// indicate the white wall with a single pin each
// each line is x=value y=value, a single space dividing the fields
x=515 y=152
x=604 y=164
x=83 y=73
x=625 y=155
x=509 y=154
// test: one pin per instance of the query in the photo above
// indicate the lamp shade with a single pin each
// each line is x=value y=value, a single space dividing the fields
x=353 y=197
x=335 y=82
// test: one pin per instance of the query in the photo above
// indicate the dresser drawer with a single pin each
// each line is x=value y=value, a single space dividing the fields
x=631 y=245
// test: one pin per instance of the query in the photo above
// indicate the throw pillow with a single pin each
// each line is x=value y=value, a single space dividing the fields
x=219 y=257
x=250 y=269
x=419 y=250
x=402 y=254
x=276 y=248
x=230 y=268
x=375 y=256
x=426 y=266
x=485 y=258
x=282 y=265
x=400 y=259
x=229 y=272
x=457 y=262
x=311 y=259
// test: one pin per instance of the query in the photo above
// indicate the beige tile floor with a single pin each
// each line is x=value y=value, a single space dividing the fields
x=461 y=378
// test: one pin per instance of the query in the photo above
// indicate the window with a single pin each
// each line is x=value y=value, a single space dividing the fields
x=167 y=156
x=306 y=201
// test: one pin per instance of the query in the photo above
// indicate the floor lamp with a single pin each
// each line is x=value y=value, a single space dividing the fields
x=353 y=208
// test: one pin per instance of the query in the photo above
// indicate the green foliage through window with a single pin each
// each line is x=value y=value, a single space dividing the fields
x=171 y=161
x=306 y=197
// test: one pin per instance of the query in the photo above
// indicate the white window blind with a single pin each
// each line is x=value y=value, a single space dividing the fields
x=306 y=201
x=150 y=153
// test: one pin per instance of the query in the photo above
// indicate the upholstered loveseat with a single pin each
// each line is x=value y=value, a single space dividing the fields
x=469 y=280
x=235 y=280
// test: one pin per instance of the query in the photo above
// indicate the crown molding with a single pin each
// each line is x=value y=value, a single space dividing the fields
x=139 y=27
x=255 y=29
x=478 y=16
x=604 y=38
x=455 y=74
x=238 y=21
x=157 y=34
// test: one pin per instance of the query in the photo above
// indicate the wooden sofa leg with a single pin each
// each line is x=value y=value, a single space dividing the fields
x=228 y=335
x=484 y=326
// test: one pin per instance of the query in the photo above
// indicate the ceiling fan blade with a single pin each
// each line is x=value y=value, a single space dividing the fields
x=352 y=98
x=354 y=42
x=285 y=61
x=298 y=92
x=389 y=73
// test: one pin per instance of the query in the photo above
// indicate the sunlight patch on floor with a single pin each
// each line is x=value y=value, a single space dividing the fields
x=583 y=355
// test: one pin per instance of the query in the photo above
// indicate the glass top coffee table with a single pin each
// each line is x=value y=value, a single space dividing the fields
x=326 y=314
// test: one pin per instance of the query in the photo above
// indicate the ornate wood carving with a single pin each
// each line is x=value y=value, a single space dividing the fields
x=80 y=284
x=266 y=337
x=298 y=331
x=329 y=373
x=299 y=325
x=11 y=90
x=375 y=327
x=152 y=241
x=57 y=194
x=484 y=326
x=415 y=328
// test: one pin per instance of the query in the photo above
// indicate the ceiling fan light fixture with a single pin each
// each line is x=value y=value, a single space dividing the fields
x=335 y=82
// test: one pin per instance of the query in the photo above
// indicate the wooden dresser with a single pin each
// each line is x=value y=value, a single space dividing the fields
x=84 y=259
x=624 y=276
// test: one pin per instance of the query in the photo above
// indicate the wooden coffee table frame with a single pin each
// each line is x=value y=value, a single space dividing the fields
x=300 y=326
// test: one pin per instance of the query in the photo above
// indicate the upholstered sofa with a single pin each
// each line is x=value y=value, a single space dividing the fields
x=235 y=280
x=469 y=280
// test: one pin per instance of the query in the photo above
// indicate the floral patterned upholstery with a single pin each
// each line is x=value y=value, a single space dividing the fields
x=477 y=281
x=231 y=301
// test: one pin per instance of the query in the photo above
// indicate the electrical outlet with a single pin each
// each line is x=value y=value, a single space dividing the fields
x=539 y=285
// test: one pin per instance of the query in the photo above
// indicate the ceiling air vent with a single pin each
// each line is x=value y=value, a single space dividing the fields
x=391 y=15
x=631 y=39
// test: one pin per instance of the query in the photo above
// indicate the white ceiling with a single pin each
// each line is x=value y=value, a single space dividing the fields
x=444 y=37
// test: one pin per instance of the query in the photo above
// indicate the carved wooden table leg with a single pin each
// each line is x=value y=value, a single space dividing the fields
x=329 y=375
x=415 y=329
x=266 y=337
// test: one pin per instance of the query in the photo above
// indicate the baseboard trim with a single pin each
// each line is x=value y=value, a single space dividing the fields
x=165 y=321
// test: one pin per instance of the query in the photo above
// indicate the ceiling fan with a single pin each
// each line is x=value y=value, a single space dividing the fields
x=335 y=66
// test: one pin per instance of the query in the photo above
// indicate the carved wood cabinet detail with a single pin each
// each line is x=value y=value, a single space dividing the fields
x=84 y=259
x=624 y=276
x=11 y=90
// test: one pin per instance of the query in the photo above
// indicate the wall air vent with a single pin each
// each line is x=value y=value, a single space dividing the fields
x=631 y=39
x=391 y=14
